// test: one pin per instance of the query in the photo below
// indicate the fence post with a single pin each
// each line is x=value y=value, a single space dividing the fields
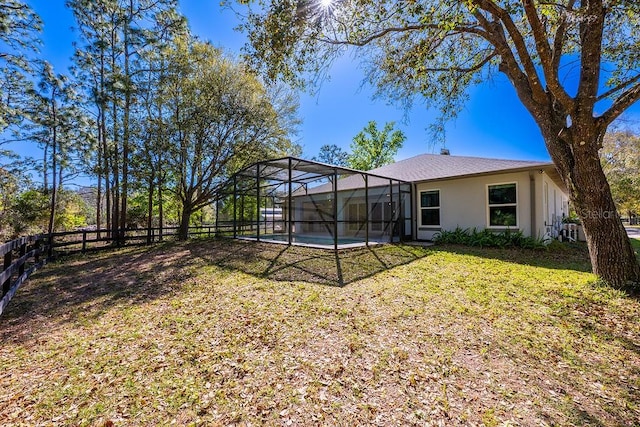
x=23 y=251
x=50 y=250
x=37 y=248
x=7 y=263
x=84 y=241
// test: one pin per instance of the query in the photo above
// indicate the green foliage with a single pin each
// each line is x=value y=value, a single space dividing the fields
x=72 y=211
x=59 y=125
x=333 y=155
x=19 y=39
x=12 y=181
x=138 y=209
x=620 y=157
x=28 y=213
x=137 y=212
x=436 y=49
x=373 y=148
x=219 y=118
x=488 y=239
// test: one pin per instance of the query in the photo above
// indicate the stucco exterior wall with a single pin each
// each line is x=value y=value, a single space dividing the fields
x=464 y=203
x=554 y=205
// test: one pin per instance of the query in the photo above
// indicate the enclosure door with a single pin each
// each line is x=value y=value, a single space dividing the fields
x=356 y=217
x=381 y=215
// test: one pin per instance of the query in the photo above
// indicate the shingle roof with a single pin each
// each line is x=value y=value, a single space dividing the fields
x=426 y=167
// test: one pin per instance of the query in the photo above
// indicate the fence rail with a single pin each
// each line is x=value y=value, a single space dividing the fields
x=25 y=255
x=22 y=257
x=64 y=243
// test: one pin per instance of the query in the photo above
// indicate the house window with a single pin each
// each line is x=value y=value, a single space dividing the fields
x=503 y=206
x=430 y=208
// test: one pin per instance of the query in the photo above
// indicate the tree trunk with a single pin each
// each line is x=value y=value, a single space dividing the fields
x=150 y=209
x=160 y=208
x=117 y=235
x=612 y=256
x=125 y=124
x=183 y=232
x=107 y=183
x=102 y=107
x=45 y=169
x=115 y=195
x=575 y=154
x=99 y=188
x=54 y=165
x=54 y=191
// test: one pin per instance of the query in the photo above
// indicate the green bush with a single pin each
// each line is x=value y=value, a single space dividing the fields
x=488 y=239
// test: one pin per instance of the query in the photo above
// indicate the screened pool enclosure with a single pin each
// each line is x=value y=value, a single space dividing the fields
x=295 y=201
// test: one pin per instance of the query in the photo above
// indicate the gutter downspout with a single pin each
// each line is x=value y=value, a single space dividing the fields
x=414 y=211
x=532 y=193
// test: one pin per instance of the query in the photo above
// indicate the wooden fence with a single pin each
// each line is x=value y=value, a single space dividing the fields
x=22 y=257
x=64 y=243
x=25 y=255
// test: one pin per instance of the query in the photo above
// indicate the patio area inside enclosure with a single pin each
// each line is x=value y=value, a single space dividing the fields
x=295 y=201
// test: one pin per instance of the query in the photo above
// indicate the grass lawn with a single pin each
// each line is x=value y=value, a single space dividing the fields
x=220 y=332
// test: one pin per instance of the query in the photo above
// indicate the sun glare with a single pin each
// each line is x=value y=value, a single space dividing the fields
x=323 y=10
x=326 y=3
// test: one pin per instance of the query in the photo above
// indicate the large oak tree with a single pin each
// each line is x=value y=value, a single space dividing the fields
x=221 y=119
x=573 y=64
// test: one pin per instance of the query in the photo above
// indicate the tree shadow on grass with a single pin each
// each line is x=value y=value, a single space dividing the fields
x=297 y=263
x=81 y=288
x=84 y=287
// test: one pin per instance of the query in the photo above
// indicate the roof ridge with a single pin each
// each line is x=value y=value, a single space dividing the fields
x=472 y=157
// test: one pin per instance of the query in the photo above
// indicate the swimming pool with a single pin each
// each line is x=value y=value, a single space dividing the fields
x=326 y=242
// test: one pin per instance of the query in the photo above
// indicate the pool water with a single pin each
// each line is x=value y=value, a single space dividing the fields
x=309 y=239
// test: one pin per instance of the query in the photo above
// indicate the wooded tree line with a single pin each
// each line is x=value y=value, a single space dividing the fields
x=157 y=118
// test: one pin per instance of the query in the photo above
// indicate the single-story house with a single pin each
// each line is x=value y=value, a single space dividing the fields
x=411 y=199
x=473 y=192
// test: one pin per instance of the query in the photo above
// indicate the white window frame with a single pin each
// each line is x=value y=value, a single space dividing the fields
x=439 y=208
x=489 y=206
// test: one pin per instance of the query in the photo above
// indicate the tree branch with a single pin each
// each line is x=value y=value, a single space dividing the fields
x=509 y=65
x=462 y=70
x=627 y=99
x=558 y=41
x=546 y=56
x=591 y=33
x=618 y=88
x=503 y=16
x=403 y=29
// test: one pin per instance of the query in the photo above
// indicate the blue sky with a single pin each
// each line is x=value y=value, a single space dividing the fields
x=493 y=124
